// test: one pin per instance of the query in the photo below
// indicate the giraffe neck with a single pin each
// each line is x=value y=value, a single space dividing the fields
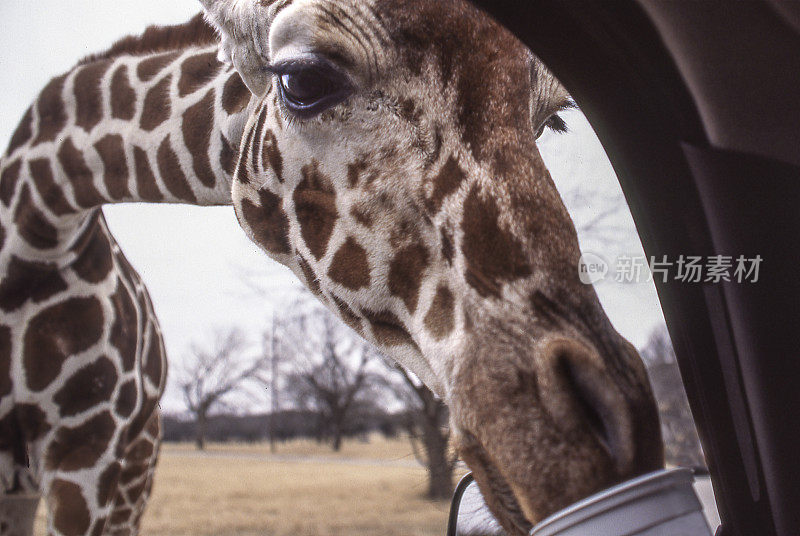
x=159 y=128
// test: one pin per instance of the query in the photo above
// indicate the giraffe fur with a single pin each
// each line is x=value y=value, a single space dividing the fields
x=410 y=198
x=147 y=121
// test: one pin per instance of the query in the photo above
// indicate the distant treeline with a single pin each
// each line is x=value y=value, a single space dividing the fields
x=287 y=425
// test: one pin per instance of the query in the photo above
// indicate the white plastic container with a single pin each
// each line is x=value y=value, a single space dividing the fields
x=658 y=504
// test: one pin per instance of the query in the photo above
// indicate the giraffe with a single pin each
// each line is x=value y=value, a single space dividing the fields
x=385 y=151
x=155 y=119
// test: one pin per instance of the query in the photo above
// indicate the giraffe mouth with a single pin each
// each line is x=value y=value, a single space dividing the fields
x=495 y=488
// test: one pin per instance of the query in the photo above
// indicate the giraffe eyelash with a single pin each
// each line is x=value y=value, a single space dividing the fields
x=556 y=123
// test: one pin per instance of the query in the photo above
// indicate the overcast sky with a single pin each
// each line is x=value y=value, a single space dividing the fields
x=194 y=260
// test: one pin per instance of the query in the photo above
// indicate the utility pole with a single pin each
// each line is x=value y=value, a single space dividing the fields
x=273 y=387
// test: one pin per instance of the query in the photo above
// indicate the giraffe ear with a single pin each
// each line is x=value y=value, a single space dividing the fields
x=243 y=28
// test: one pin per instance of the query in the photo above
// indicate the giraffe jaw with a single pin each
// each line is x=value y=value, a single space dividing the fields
x=497 y=492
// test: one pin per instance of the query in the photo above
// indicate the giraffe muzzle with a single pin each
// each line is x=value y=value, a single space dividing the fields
x=542 y=434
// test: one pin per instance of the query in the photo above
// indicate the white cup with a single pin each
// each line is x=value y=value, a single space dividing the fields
x=658 y=504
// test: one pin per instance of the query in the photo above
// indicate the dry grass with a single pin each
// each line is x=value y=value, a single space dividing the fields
x=239 y=491
x=374 y=447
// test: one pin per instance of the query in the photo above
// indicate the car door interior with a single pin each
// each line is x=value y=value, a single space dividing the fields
x=698 y=107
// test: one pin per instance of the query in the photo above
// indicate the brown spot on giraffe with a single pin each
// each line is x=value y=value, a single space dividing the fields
x=197 y=71
x=448 y=251
x=107 y=484
x=227 y=157
x=124 y=328
x=197 y=125
x=271 y=154
x=549 y=313
x=145 y=178
x=493 y=255
x=361 y=216
x=79 y=175
x=172 y=174
x=111 y=149
x=5 y=361
x=99 y=527
x=121 y=515
x=350 y=266
x=154 y=358
x=141 y=421
x=149 y=68
x=56 y=333
x=235 y=95
x=85 y=236
x=354 y=171
x=94 y=259
x=12 y=440
x=52 y=117
x=141 y=450
x=440 y=319
x=51 y=193
x=311 y=278
x=90 y=386
x=135 y=492
x=409 y=111
x=153 y=429
x=33 y=421
x=32 y=225
x=8 y=181
x=387 y=329
x=268 y=222
x=157 y=106
x=348 y=315
x=123 y=96
x=406 y=274
x=29 y=281
x=315 y=206
x=433 y=155
x=403 y=232
x=81 y=447
x=88 y=96
x=25 y=423
x=70 y=511
x=126 y=399
x=445 y=183
x=23 y=132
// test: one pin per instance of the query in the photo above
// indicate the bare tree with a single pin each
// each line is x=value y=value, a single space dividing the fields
x=680 y=436
x=428 y=431
x=214 y=375
x=331 y=373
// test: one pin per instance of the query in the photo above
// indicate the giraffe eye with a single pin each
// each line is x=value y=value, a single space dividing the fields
x=554 y=123
x=309 y=88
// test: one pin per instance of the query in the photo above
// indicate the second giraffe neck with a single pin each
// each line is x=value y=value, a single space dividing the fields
x=161 y=128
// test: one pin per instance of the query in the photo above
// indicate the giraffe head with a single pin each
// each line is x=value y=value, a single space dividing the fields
x=391 y=162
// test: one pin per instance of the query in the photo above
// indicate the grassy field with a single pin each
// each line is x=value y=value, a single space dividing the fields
x=369 y=489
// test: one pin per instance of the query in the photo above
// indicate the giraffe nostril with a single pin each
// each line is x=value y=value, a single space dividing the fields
x=588 y=405
x=582 y=395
